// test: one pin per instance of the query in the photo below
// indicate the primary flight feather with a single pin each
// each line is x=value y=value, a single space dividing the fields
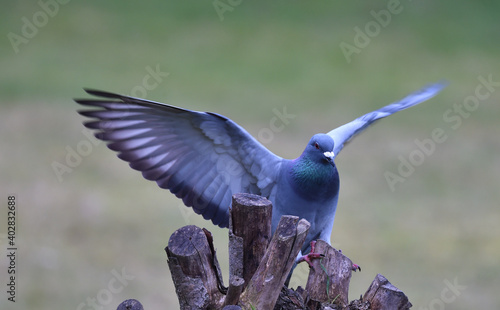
x=204 y=158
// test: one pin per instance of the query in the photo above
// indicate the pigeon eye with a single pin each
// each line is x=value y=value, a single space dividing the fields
x=316 y=145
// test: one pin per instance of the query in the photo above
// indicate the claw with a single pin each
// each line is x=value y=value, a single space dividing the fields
x=309 y=257
x=356 y=267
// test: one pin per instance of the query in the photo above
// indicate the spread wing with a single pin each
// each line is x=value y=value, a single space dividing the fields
x=203 y=158
x=344 y=133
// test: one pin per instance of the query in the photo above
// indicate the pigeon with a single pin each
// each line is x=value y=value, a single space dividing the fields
x=204 y=158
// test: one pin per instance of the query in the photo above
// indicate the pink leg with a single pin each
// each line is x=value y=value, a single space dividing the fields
x=312 y=255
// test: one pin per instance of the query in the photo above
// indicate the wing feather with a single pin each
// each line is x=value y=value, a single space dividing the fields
x=345 y=133
x=202 y=158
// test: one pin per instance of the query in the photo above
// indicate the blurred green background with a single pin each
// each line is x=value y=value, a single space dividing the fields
x=439 y=226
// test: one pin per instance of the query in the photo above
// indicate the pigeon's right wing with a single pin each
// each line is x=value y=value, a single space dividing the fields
x=202 y=158
x=344 y=133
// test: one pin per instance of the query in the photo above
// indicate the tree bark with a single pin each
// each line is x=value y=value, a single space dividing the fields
x=330 y=276
x=265 y=286
x=236 y=285
x=383 y=295
x=194 y=269
x=251 y=221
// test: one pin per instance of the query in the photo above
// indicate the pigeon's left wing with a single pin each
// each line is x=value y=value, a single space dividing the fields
x=203 y=158
x=344 y=133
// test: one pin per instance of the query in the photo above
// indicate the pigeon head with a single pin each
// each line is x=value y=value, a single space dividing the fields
x=313 y=175
x=320 y=149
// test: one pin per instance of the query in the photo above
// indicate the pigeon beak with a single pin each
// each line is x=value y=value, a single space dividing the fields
x=329 y=156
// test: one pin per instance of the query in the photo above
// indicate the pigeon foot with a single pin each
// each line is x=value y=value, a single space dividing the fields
x=310 y=256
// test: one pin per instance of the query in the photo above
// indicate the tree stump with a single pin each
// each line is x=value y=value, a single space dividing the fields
x=248 y=241
x=265 y=285
x=266 y=265
x=195 y=270
x=383 y=295
x=330 y=277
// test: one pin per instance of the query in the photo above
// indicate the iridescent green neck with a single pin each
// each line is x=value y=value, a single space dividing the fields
x=313 y=179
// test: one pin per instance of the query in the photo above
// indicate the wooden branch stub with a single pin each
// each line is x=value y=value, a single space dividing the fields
x=236 y=285
x=265 y=286
x=250 y=220
x=332 y=285
x=383 y=295
x=194 y=268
